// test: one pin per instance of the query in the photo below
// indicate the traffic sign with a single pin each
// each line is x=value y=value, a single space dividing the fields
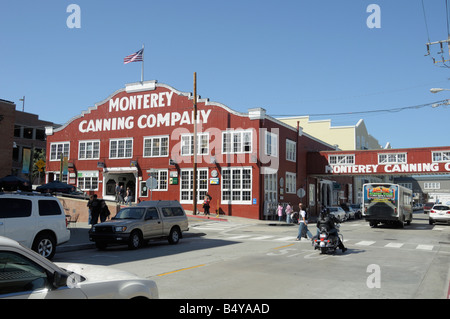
x=152 y=183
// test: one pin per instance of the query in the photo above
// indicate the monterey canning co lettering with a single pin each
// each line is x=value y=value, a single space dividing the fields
x=390 y=168
x=142 y=102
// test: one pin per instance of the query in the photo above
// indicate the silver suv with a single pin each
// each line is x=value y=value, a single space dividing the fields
x=147 y=220
x=36 y=221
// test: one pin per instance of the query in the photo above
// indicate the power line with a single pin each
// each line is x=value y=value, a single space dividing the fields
x=390 y=110
x=426 y=24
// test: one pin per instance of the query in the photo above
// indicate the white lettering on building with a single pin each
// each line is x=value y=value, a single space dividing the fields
x=143 y=121
x=391 y=168
x=142 y=102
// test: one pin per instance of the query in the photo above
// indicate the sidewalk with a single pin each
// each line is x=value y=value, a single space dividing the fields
x=79 y=232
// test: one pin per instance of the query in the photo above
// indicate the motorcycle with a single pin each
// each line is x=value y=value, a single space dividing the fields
x=326 y=242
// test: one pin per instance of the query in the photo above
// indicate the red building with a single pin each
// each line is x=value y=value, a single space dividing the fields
x=247 y=162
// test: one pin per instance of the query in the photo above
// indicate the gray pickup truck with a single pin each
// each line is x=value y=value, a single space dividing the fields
x=135 y=225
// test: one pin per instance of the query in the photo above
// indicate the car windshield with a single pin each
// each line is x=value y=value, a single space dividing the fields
x=130 y=213
x=333 y=209
x=441 y=207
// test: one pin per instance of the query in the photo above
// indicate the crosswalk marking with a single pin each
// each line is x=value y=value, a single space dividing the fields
x=261 y=237
x=394 y=245
x=225 y=228
x=425 y=247
x=285 y=238
x=239 y=237
x=365 y=243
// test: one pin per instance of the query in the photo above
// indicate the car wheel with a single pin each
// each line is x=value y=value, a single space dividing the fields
x=45 y=245
x=430 y=221
x=174 y=236
x=135 y=240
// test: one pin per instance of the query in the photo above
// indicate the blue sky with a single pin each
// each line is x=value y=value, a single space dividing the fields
x=289 y=57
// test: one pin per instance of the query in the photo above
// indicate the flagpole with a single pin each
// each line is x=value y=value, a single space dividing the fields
x=142 y=70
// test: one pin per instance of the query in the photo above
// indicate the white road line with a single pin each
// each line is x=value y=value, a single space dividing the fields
x=239 y=237
x=365 y=243
x=261 y=237
x=425 y=247
x=290 y=238
x=209 y=228
x=394 y=245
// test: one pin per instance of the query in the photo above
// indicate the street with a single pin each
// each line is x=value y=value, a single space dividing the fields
x=257 y=259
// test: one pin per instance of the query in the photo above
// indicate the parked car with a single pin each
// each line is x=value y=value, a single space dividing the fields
x=357 y=209
x=338 y=212
x=349 y=212
x=427 y=207
x=35 y=221
x=439 y=213
x=27 y=275
x=135 y=225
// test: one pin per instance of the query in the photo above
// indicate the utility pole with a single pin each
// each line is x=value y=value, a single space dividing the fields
x=441 y=52
x=194 y=175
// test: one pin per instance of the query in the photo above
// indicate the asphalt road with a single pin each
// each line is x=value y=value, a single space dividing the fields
x=252 y=259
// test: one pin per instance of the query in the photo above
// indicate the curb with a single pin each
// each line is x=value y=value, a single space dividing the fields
x=210 y=217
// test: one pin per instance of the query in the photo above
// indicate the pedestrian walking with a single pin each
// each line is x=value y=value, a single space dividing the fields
x=303 y=230
x=117 y=192
x=121 y=195
x=104 y=211
x=280 y=212
x=289 y=212
x=206 y=204
x=89 y=205
x=96 y=207
x=129 y=196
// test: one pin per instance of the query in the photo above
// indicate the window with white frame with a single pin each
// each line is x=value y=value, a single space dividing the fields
x=56 y=177
x=56 y=149
x=237 y=185
x=291 y=182
x=271 y=147
x=187 y=184
x=187 y=144
x=88 y=180
x=392 y=158
x=121 y=148
x=432 y=185
x=156 y=146
x=161 y=175
x=441 y=156
x=89 y=150
x=347 y=159
x=291 y=148
x=270 y=188
x=235 y=142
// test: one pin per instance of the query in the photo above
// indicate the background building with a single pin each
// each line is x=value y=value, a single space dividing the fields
x=433 y=188
x=23 y=136
x=352 y=137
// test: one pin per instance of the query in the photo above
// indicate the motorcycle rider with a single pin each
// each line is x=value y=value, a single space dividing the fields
x=328 y=221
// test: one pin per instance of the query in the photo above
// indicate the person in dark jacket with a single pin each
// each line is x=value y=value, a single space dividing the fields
x=329 y=221
x=95 y=207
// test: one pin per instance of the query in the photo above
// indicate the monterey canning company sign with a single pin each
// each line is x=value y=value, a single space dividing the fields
x=410 y=161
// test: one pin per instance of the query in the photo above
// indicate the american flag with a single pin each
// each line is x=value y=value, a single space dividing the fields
x=135 y=57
